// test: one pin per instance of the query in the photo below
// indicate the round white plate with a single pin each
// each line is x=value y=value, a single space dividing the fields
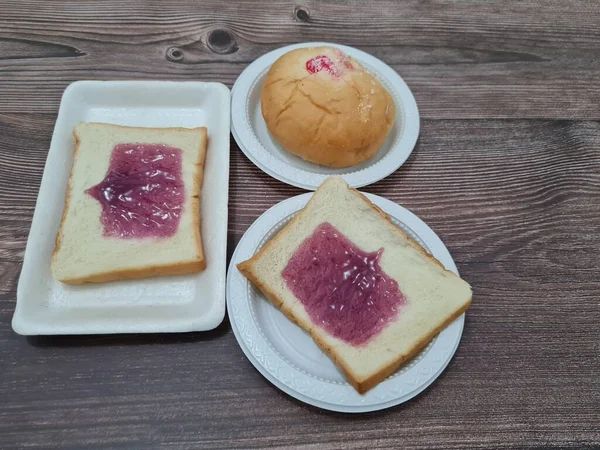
x=250 y=130
x=287 y=356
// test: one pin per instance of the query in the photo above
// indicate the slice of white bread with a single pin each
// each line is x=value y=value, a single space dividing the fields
x=434 y=296
x=83 y=254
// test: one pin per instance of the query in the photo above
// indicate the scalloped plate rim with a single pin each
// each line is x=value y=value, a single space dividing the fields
x=255 y=151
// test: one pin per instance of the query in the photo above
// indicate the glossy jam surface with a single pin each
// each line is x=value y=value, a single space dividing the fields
x=142 y=194
x=323 y=62
x=343 y=289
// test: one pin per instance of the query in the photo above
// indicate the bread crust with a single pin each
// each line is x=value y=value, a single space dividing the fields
x=179 y=268
x=59 y=235
x=362 y=386
x=197 y=214
x=142 y=272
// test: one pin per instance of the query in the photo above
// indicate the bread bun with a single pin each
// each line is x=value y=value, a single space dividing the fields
x=323 y=106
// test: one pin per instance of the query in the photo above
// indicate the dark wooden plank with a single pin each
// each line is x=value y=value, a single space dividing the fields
x=518 y=204
x=463 y=59
x=516 y=201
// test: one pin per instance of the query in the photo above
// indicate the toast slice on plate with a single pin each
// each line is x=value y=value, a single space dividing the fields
x=132 y=207
x=370 y=297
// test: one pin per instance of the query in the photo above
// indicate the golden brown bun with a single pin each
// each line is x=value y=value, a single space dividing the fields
x=323 y=106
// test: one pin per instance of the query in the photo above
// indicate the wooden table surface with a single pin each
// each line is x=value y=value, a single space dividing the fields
x=506 y=171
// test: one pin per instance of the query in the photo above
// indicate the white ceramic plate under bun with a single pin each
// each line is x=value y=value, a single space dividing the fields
x=193 y=302
x=250 y=131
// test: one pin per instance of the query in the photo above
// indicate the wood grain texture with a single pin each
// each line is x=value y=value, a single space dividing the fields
x=517 y=204
x=463 y=59
x=506 y=171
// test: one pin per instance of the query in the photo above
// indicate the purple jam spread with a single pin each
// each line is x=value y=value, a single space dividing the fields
x=342 y=288
x=142 y=193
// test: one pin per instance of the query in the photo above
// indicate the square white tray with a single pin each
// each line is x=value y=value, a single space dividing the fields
x=163 y=304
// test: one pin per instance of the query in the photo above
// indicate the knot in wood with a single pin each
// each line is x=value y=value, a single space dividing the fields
x=222 y=42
